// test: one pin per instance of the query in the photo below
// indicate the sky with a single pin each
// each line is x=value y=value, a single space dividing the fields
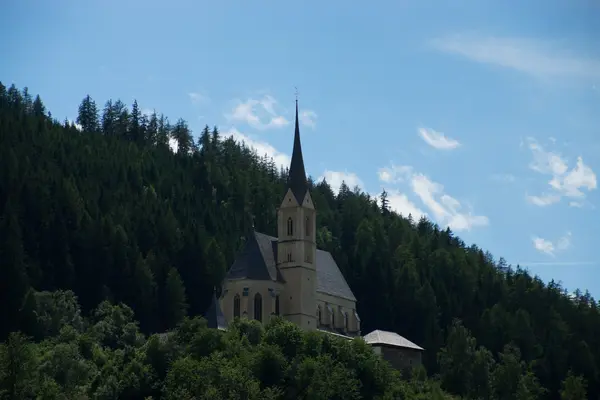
x=483 y=116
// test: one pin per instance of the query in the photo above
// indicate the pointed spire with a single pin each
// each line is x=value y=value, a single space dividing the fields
x=297 y=175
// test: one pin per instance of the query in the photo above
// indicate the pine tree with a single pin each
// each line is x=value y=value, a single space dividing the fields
x=109 y=119
x=181 y=133
x=88 y=115
x=135 y=131
x=175 y=299
x=13 y=270
x=384 y=202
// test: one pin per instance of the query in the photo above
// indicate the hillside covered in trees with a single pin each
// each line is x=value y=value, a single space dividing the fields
x=139 y=233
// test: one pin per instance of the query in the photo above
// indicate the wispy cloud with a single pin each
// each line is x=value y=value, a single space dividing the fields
x=173 y=145
x=335 y=179
x=198 y=98
x=258 y=113
x=262 y=148
x=535 y=57
x=147 y=112
x=445 y=209
x=549 y=247
x=75 y=124
x=564 y=182
x=437 y=139
x=308 y=118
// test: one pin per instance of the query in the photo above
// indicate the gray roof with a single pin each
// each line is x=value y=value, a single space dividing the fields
x=258 y=261
x=389 y=339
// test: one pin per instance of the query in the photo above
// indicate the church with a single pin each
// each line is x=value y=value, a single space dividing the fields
x=288 y=276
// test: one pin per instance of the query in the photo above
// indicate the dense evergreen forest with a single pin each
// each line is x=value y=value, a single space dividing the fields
x=107 y=236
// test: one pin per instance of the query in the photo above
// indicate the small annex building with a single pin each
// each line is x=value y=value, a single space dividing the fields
x=289 y=276
x=399 y=351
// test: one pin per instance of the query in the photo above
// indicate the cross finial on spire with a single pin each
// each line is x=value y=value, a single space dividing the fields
x=296 y=93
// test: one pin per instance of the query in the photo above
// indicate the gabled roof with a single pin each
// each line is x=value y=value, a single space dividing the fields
x=330 y=279
x=392 y=339
x=258 y=261
x=214 y=315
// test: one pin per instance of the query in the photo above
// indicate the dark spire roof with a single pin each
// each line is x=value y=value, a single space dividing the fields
x=297 y=175
x=214 y=315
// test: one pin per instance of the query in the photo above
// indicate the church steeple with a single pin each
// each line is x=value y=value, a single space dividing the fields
x=297 y=175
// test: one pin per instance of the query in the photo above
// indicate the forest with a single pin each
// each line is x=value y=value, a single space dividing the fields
x=111 y=244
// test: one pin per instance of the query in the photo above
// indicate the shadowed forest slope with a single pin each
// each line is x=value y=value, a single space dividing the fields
x=107 y=210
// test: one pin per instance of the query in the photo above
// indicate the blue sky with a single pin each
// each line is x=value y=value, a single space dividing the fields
x=481 y=115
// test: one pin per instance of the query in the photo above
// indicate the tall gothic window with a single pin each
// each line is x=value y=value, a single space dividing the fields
x=236 y=306
x=346 y=321
x=258 y=307
x=318 y=315
x=290 y=226
x=307 y=226
x=277 y=305
x=289 y=257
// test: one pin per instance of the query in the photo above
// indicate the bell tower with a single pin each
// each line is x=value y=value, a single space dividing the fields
x=296 y=244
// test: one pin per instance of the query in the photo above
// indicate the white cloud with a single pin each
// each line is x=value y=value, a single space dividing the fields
x=563 y=182
x=437 y=139
x=258 y=113
x=534 y=57
x=543 y=200
x=543 y=245
x=147 y=112
x=75 y=124
x=335 y=179
x=397 y=201
x=551 y=248
x=401 y=204
x=198 y=98
x=173 y=145
x=262 y=148
x=395 y=173
x=308 y=118
x=445 y=209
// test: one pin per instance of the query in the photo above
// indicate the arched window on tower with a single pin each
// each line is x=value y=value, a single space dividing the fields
x=307 y=227
x=236 y=306
x=290 y=226
x=258 y=307
x=277 y=305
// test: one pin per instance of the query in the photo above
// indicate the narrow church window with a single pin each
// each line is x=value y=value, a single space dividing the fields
x=290 y=226
x=318 y=315
x=236 y=306
x=346 y=321
x=289 y=256
x=277 y=305
x=307 y=226
x=258 y=307
x=333 y=320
